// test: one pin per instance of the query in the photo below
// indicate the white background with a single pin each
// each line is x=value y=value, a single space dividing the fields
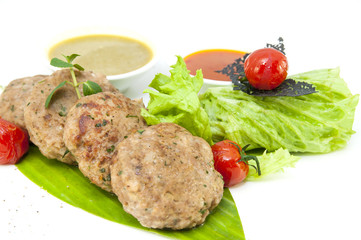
x=319 y=199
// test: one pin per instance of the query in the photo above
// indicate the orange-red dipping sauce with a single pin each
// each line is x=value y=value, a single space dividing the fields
x=212 y=60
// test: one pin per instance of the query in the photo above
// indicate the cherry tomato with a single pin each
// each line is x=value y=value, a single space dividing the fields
x=231 y=162
x=266 y=68
x=14 y=142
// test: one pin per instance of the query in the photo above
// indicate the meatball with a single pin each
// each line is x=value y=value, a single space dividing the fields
x=94 y=127
x=165 y=177
x=14 y=99
x=46 y=125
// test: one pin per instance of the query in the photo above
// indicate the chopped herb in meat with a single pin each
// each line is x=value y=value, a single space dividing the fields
x=111 y=149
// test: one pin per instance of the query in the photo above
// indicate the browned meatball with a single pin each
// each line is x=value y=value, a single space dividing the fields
x=94 y=127
x=164 y=176
x=14 y=99
x=46 y=125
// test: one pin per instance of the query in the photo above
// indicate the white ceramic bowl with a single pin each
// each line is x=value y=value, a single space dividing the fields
x=208 y=83
x=121 y=81
x=215 y=83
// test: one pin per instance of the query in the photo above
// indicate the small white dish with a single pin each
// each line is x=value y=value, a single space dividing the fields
x=216 y=83
x=125 y=80
x=213 y=53
x=209 y=83
x=121 y=81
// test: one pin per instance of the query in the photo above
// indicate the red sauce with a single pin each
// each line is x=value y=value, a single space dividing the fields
x=210 y=61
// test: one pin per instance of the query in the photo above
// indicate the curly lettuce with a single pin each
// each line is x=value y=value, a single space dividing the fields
x=316 y=123
x=273 y=162
x=176 y=100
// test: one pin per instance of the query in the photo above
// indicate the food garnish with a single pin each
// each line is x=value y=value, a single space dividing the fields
x=174 y=107
x=272 y=163
x=177 y=101
x=89 y=87
x=318 y=123
x=14 y=142
x=266 y=68
x=263 y=73
x=231 y=161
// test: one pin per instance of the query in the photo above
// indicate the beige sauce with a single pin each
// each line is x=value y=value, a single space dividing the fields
x=107 y=54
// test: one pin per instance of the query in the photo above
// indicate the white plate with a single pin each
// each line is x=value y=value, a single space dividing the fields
x=319 y=199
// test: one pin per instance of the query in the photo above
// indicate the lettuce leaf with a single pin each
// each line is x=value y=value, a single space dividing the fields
x=273 y=162
x=176 y=100
x=317 y=123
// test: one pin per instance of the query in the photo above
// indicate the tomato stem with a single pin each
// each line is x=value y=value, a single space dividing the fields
x=245 y=158
x=239 y=149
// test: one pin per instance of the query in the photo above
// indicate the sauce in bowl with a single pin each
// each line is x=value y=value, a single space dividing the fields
x=212 y=60
x=103 y=53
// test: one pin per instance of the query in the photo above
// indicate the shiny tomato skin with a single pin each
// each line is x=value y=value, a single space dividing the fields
x=227 y=162
x=266 y=68
x=14 y=142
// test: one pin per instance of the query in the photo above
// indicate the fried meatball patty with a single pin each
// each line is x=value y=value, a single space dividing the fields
x=46 y=125
x=94 y=127
x=14 y=99
x=165 y=177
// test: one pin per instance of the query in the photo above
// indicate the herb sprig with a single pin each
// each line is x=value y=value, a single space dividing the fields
x=289 y=87
x=89 y=87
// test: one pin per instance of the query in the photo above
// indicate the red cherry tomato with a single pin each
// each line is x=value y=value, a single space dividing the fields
x=266 y=68
x=14 y=142
x=231 y=162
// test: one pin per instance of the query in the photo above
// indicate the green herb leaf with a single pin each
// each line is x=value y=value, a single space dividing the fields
x=69 y=184
x=111 y=149
x=90 y=88
x=141 y=131
x=71 y=58
x=56 y=62
x=47 y=102
x=77 y=66
x=66 y=152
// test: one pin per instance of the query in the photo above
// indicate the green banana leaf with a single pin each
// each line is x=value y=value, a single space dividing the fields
x=69 y=184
